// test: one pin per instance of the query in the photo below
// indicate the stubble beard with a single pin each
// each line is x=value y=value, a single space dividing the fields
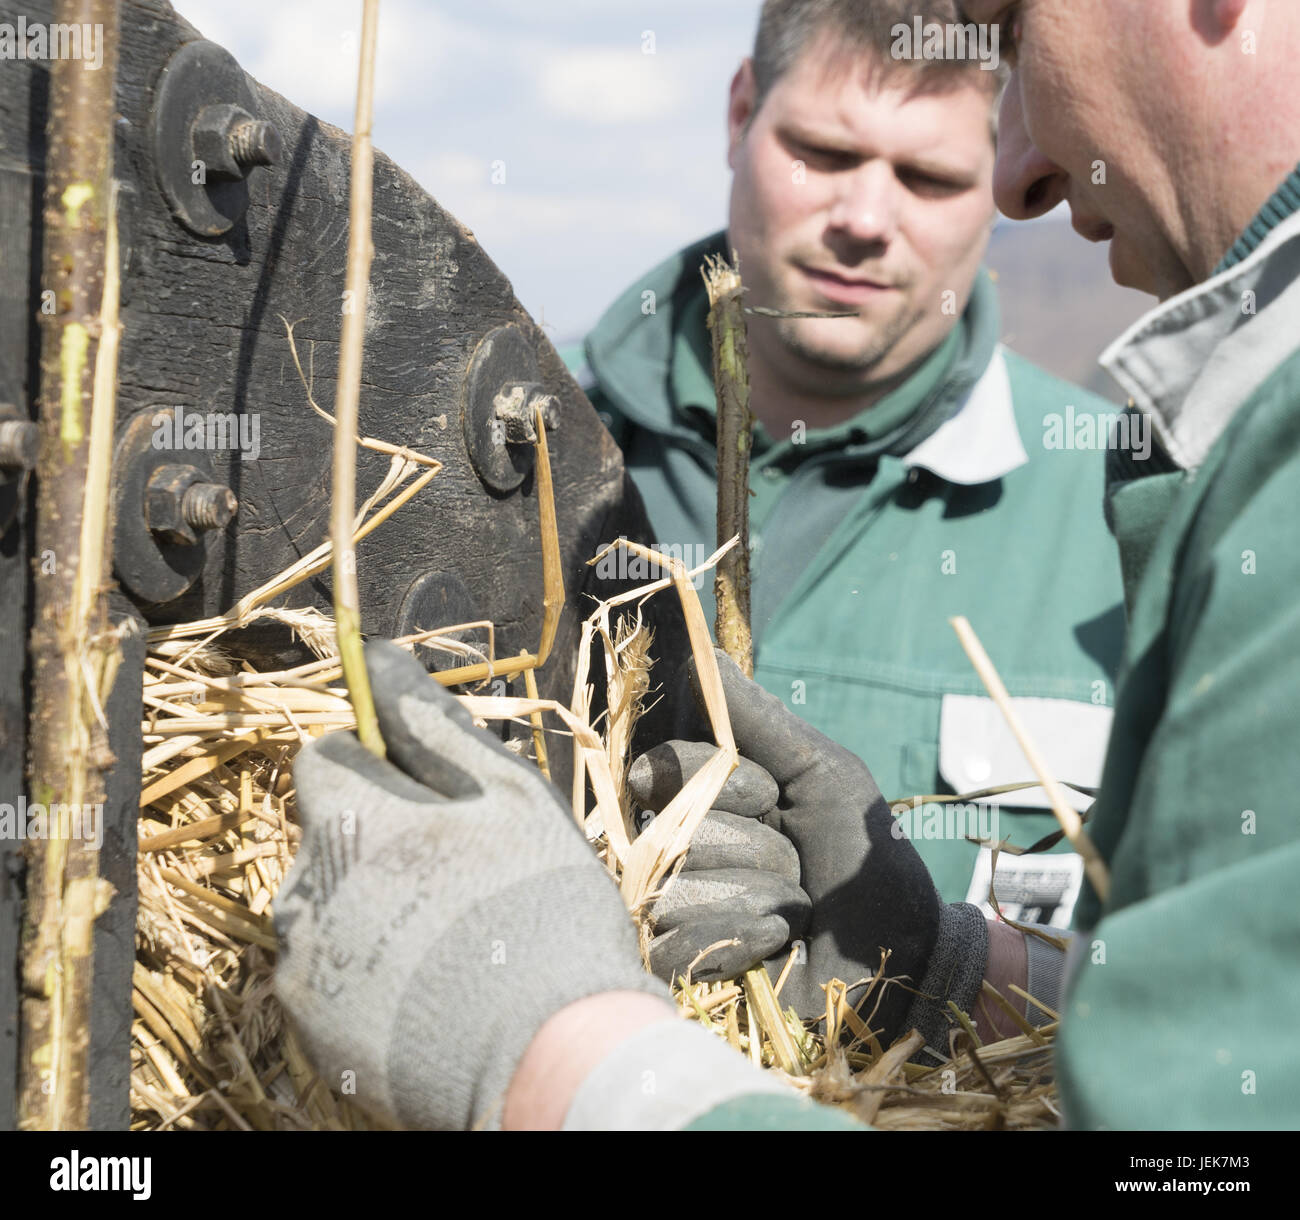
x=847 y=371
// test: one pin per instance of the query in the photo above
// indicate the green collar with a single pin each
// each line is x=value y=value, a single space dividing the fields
x=650 y=355
x=1284 y=202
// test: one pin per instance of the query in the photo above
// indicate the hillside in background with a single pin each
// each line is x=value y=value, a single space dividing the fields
x=1060 y=308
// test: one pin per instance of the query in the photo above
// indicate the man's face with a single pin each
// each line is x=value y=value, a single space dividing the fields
x=855 y=193
x=1090 y=118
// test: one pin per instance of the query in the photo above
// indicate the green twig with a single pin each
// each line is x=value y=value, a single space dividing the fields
x=74 y=653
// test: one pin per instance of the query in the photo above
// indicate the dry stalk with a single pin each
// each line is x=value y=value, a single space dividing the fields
x=347 y=602
x=539 y=733
x=218 y=837
x=627 y=682
x=646 y=859
x=1065 y=813
x=552 y=569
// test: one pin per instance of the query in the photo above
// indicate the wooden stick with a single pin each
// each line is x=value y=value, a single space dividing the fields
x=1069 y=819
x=735 y=437
x=74 y=654
x=347 y=601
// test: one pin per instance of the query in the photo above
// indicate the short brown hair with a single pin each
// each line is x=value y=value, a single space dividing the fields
x=786 y=29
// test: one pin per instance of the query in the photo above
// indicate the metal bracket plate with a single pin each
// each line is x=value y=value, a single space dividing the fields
x=439 y=599
x=151 y=569
x=504 y=356
x=199 y=75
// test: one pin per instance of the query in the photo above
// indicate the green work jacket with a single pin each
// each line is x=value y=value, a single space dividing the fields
x=991 y=509
x=1188 y=976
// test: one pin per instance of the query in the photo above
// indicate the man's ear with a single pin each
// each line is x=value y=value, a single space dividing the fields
x=740 y=108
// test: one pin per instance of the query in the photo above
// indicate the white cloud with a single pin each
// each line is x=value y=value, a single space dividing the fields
x=615 y=157
x=309 y=52
x=308 y=55
x=610 y=85
x=453 y=169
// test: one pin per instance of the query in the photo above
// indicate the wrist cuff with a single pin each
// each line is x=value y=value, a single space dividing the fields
x=955 y=972
x=1045 y=979
x=662 y=1078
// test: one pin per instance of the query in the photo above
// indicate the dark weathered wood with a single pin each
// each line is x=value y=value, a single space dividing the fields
x=110 y=1029
x=17 y=277
x=203 y=330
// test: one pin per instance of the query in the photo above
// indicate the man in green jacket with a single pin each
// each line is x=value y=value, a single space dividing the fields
x=1185 y=965
x=1177 y=1010
x=906 y=467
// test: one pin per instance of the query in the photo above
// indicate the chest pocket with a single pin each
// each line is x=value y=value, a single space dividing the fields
x=977 y=749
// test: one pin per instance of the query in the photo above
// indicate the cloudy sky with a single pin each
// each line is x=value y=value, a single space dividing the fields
x=609 y=117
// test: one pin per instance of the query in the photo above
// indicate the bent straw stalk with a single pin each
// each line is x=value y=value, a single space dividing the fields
x=347 y=601
x=1065 y=813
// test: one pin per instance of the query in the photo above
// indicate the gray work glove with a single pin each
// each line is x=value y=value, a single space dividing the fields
x=868 y=887
x=443 y=905
x=739 y=881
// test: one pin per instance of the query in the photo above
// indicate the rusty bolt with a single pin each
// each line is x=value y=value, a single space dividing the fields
x=208 y=506
x=231 y=142
x=514 y=406
x=255 y=142
x=19 y=442
x=180 y=502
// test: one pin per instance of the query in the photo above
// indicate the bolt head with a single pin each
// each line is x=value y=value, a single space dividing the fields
x=510 y=410
x=213 y=139
x=514 y=406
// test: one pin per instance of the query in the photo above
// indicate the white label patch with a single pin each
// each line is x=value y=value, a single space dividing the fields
x=1038 y=889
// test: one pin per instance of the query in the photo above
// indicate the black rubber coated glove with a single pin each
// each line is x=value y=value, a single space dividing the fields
x=739 y=881
x=868 y=887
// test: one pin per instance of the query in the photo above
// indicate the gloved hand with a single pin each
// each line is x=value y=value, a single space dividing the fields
x=739 y=879
x=442 y=907
x=867 y=886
